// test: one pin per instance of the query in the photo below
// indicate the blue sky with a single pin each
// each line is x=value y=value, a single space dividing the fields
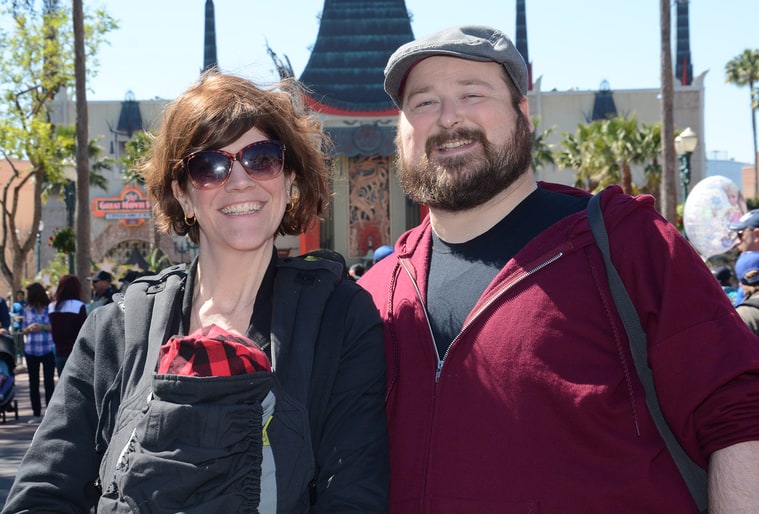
x=158 y=49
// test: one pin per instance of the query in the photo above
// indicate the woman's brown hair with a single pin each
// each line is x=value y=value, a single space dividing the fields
x=215 y=112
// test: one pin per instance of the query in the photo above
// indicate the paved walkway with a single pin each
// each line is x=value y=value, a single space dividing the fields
x=15 y=435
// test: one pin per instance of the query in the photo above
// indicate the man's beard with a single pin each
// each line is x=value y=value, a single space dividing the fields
x=463 y=182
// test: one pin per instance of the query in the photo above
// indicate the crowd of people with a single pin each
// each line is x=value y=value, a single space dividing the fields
x=478 y=365
x=45 y=324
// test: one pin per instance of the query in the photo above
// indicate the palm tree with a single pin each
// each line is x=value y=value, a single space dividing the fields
x=743 y=70
x=622 y=136
x=668 y=194
x=650 y=148
x=83 y=222
x=541 y=151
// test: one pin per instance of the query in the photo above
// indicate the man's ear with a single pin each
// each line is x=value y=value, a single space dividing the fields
x=524 y=106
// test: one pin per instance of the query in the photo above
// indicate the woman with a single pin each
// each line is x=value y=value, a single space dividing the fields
x=38 y=347
x=232 y=166
x=67 y=315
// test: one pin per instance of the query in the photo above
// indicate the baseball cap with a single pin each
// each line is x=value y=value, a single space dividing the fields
x=101 y=275
x=748 y=220
x=382 y=252
x=473 y=42
x=747 y=261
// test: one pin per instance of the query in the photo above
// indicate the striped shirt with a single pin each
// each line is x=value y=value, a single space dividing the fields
x=37 y=343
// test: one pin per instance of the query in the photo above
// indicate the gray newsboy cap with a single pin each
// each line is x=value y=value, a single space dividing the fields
x=474 y=42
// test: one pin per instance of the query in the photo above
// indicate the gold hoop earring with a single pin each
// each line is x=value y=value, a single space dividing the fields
x=294 y=197
x=190 y=221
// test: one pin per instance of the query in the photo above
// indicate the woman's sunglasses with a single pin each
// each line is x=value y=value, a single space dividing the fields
x=210 y=169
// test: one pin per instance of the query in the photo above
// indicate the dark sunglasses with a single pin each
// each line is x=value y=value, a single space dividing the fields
x=210 y=169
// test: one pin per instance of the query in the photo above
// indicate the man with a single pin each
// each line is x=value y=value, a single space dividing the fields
x=104 y=290
x=746 y=232
x=747 y=268
x=511 y=387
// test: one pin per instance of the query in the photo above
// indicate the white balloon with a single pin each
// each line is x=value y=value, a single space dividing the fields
x=711 y=205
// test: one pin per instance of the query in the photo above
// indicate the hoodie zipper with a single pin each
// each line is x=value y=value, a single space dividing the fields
x=503 y=289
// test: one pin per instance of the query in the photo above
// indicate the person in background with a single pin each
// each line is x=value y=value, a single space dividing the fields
x=356 y=271
x=232 y=166
x=726 y=279
x=67 y=315
x=381 y=252
x=103 y=289
x=511 y=385
x=745 y=232
x=17 y=313
x=747 y=270
x=130 y=277
x=39 y=347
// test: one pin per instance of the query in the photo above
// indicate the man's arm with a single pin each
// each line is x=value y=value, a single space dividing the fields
x=734 y=479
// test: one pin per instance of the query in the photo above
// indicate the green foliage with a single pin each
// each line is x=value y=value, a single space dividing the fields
x=157 y=260
x=63 y=240
x=51 y=275
x=541 y=151
x=752 y=203
x=36 y=63
x=137 y=151
x=603 y=151
x=66 y=156
x=743 y=70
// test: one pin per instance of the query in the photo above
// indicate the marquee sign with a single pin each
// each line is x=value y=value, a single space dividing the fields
x=131 y=207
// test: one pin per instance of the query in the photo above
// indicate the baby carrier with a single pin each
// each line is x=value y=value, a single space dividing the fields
x=199 y=433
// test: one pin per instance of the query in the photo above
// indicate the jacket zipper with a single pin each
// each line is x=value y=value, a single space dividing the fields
x=497 y=295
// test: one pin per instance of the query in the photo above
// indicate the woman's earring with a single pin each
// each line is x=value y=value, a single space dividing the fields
x=190 y=221
x=294 y=197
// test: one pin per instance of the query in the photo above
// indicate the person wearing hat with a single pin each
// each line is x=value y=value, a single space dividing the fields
x=103 y=289
x=381 y=252
x=511 y=387
x=747 y=270
x=746 y=231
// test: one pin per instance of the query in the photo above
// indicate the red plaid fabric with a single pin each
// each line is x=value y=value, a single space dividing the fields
x=211 y=352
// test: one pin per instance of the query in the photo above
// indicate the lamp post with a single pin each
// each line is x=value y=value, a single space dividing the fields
x=685 y=144
x=40 y=227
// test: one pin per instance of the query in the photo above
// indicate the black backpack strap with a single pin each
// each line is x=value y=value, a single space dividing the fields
x=303 y=286
x=693 y=475
x=149 y=307
x=751 y=302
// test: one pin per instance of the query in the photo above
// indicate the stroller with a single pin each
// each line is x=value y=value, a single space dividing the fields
x=8 y=402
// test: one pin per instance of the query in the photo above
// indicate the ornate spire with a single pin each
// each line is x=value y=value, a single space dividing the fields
x=683 y=66
x=522 y=37
x=209 y=45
